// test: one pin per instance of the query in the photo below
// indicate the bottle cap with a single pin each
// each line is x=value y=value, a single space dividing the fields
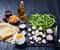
x=21 y=3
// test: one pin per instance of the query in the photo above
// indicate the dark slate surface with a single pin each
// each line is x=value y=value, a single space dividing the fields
x=32 y=6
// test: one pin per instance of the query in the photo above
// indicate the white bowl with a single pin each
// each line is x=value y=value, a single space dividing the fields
x=19 y=41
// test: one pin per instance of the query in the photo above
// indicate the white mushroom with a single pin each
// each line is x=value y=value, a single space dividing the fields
x=44 y=35
x=39 y=38
x=43 y=41
x=30 y=38
x=39 y=42
x=37 y=31
x=36 y=40
x=40 y=33
x=33 y=32
x=31 y=42
x=37 y=34
x=59 y=40
x=34 y=27
x=29 y=29
x=29 y=34
x=34 y=37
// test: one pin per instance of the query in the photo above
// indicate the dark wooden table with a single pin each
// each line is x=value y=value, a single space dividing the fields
x=32 y=6
x=8 y=46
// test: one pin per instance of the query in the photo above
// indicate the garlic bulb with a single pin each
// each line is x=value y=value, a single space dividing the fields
x=34 y=27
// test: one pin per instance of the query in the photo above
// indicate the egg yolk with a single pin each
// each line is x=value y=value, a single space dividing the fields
x=19 y=36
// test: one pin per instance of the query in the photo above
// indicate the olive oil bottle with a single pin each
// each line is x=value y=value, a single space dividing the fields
x=22 y=12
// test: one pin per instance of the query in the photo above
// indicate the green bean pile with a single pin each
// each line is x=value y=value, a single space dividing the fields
x=44 y=20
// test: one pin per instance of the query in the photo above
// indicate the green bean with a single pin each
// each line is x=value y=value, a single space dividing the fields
x=46 y=20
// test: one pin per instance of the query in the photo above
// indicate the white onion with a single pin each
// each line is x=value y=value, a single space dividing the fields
x=49 y=31
x=49 y=37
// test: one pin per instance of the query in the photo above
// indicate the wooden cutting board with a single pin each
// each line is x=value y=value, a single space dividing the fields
x=14 y=28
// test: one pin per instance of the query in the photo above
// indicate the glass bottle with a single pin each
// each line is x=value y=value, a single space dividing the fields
x=22 y=11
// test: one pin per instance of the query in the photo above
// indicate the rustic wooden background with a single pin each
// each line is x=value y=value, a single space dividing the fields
x=32 y=6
